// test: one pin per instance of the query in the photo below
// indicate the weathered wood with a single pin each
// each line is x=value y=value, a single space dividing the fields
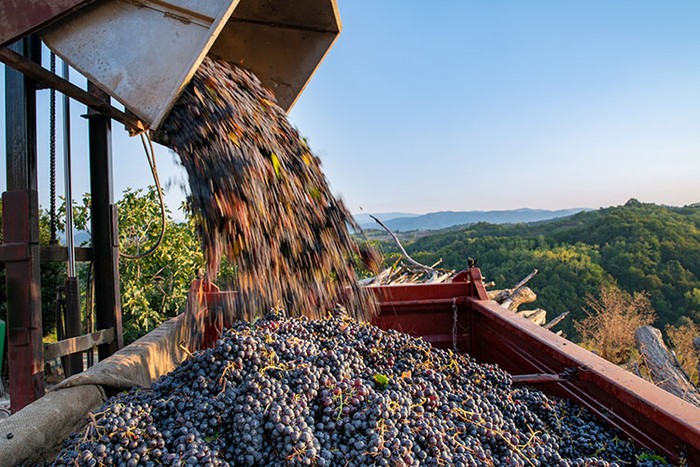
x=526 y=279
x=537 y=316
x=77 y=344
x=556 y=320
x=663 y=370
x=512 y=298
x=59 y=254
x=518 y=297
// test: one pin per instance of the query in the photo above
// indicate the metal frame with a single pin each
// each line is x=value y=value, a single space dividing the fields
x=21 y=251
x=105 y=236
x=21 y=230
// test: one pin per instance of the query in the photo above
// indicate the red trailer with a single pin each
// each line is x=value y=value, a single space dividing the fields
x=458 y=315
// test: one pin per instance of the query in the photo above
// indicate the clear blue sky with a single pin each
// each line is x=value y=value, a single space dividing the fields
x=479 y=105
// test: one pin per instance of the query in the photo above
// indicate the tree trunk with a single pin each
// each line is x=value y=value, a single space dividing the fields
x=663 y=370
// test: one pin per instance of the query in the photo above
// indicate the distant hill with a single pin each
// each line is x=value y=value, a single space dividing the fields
x=640 y=247
x=445 y=219
x=364 y=219
x=81 y=238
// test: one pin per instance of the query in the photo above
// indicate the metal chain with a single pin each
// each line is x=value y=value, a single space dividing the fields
x=454 y=324
x=52 y=154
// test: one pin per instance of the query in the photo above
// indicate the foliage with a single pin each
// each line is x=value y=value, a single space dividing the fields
x=611 y=320
x=681 y=339
x=153 y=288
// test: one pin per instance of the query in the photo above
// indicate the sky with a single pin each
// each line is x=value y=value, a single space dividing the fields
x=479 y=105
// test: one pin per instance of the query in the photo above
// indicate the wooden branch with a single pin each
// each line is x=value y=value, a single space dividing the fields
x=403 y=250
x=556 y=320
x=663 y=371
x=526 y=279
x=537 y=316
x=518 y=297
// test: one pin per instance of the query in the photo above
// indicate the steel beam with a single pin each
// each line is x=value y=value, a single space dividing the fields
x=105 y=238
x=21 y=225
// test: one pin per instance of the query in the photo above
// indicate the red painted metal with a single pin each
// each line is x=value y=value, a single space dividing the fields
x=25 y=348
x=646 y=413
x=19 y=18
x=459 y=314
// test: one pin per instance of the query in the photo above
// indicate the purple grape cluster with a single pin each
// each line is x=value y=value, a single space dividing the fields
x=333 y=392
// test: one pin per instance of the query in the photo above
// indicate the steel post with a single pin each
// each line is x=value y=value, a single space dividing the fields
x=73 y=364
x=105 y=238
x=21 y=225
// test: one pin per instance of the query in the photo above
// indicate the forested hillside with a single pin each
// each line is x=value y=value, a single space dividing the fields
x=640 y=247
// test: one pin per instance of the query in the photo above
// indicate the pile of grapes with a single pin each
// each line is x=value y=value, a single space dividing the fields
x=332 y=392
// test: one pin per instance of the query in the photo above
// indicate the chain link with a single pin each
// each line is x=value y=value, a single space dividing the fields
x=52 y=154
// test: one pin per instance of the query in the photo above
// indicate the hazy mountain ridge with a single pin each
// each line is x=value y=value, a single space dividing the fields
x=365 y=219
x=444 y=219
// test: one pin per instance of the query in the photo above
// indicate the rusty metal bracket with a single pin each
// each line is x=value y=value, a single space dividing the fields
x=569 y=374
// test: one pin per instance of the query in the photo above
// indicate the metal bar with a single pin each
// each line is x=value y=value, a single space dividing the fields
x=67 y=180
x=539 y=378
x=59 y=254
x=40 y=74
x=77 y=344
x=105 y=236
x=73 y=364
x=21 y=225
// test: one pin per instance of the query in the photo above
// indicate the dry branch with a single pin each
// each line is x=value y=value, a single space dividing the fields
x=403 y=250
x=526 y=279
x=556 y=320
x=537 y=316
x=518 y=297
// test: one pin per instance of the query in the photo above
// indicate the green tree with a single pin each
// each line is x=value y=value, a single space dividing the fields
x=153 y=288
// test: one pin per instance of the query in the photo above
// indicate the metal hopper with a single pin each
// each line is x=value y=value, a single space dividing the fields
x=143 y=52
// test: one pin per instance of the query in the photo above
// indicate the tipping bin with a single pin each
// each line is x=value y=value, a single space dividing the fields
x=144 y=52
